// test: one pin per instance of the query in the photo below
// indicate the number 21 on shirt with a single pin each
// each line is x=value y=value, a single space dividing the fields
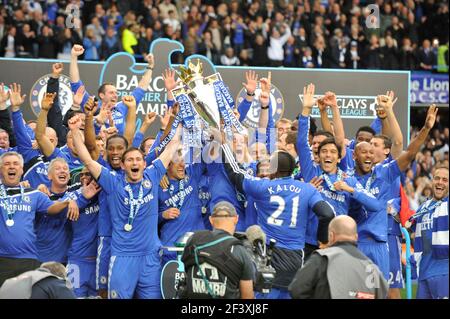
x=274 y=218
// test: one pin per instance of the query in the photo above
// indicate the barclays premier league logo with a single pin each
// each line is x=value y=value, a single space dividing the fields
x=276 y=102
x=39 y=88
x=350 y=106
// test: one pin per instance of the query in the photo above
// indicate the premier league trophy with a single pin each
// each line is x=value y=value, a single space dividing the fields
x=204 y=102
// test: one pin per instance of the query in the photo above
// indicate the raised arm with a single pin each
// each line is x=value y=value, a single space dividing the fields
x=324 y=120
x=264 y=99
x=148 y=120
x=339 y=132
x=74 y=72
x=147 y=77
x=43 y=141
x=414 y=146
x=89 y=131
x=5 y=119
x=172 y=147
x=392 y=129
x=54 y=116
x=83 y=154
x=170 y=83
x=24 y=143
x=305 y=154
x=130 y=125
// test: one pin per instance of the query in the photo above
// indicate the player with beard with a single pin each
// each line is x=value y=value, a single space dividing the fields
x=377 y=179
x=431 y=240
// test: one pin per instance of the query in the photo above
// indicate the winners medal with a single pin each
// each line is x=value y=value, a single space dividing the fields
x=128 y=227
x=9 y=222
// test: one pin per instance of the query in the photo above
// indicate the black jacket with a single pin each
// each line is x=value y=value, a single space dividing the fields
x=311 y=281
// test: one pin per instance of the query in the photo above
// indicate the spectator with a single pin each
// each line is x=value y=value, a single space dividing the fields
x=66 y=40
x=191 y=42
x=145 y=42
x=426 y=57
x=396 y=30
x=407 y=56
x=290 y=56
x=244 y=58
x=352 y=58
x=165 y=7
x=412 y=29
x=301 y=39
x=91 y=45
x=208 y=49
x=307 y=59
x=173 y=21
x=96 y=28
x=111 y=44
x=238 y=29
x=47 y=43
x=373 y=54
x=278 y=38
x=2 y=26
x=9 y=44
x=390 y=54
x=260 y=51
x=129 y=40
x=216 y=34
x=229 y=58
x=321 y=53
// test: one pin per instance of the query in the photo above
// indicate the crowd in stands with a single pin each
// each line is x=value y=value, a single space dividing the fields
x=409 y=35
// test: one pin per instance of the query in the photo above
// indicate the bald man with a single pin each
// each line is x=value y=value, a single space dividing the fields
x=340 y=271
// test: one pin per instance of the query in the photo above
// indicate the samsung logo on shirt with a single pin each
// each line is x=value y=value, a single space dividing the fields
x=172 y=200
x=92 y=210
x=333 y=195
x=19 y=207
x=280 y=188
x=41 y=171
x=375 y=190
x=145 y=200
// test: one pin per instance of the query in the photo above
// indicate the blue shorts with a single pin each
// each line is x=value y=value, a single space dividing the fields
x=134 y=277
x=378 y=252
x=102 y=262
x=395 y=262
x=81 y=274
x=168 y=256
x=275 y=293
x=433 y=288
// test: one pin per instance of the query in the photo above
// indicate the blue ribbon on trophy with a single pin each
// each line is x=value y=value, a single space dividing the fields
x=210 y=99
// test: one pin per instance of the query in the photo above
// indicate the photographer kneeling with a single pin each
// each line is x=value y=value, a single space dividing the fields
x=216 y=263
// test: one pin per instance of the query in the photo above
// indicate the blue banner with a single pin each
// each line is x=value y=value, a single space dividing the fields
x=427 y=88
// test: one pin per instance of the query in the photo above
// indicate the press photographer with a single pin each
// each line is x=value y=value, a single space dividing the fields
x=217 y=264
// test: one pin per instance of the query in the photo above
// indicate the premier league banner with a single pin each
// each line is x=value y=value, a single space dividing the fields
x=356 y=90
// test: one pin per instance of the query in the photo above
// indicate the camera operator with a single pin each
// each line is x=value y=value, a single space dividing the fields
x=217 y=264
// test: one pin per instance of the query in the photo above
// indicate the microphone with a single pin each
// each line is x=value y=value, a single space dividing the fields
x=272 y=244
x=257 y=238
